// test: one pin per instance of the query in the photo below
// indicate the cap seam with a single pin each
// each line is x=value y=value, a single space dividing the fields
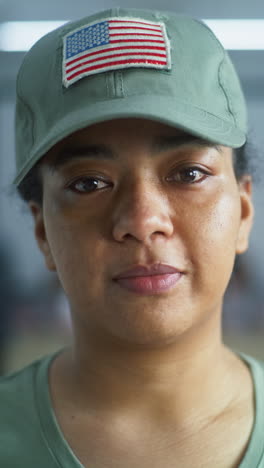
x=220 y=47
x=107 y=84
x=30 y=111
x=122 y=84
x=228 y=98
x=115 y=11
x=118 y=78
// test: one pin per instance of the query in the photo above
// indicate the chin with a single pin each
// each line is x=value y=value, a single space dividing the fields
x=149 y=337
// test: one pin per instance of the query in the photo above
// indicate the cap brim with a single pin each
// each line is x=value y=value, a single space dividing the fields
x=181 y=115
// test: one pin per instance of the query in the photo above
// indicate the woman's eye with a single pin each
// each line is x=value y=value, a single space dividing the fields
x=87 y=185
x=84 y=185
x=190 y=175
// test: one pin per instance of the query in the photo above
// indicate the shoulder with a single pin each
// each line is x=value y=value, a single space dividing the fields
x=17 y=384
x=18 y=389
x=20 y=428
x=17 y=399
x=255 y=364
x=13 y=382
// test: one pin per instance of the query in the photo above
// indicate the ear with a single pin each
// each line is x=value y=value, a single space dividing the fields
x=247 y=214
x=40 y=234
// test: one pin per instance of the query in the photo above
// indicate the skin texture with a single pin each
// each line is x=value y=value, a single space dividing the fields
x=161 y=357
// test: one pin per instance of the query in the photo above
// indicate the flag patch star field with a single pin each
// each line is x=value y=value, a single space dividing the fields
x=113 y=44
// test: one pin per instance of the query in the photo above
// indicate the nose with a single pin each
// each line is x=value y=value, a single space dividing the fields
x=142 y=212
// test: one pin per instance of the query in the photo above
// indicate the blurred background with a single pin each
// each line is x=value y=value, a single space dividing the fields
x=34 y=313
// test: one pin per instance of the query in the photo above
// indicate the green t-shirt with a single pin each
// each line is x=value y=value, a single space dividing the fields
x=30 y=436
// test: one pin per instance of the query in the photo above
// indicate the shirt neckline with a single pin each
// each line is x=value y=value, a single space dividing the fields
x=66 y=458
x=255 y=448
x=50 y=427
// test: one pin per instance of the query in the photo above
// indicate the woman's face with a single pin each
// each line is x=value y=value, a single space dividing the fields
x=134 y=191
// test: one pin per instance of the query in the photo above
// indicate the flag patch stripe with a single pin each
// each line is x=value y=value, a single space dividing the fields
x=92 y=48
x=117 y=64
x=113 y=49
x=131 y=35
x=140 y=28
x=145 y=41
x=104 y=55
x=104 y=58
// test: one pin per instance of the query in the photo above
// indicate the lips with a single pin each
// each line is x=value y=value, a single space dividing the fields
x=148 y=270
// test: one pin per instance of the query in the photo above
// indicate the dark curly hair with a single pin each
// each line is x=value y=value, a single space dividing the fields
x=30 y=189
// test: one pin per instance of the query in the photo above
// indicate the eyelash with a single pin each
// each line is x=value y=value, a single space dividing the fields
x=196 y=169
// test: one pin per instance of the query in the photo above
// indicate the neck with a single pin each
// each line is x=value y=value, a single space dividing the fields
x=189 y=379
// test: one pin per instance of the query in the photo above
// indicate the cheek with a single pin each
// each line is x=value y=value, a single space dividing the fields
x=223 y=222
x=215 y=231
x=78 y=250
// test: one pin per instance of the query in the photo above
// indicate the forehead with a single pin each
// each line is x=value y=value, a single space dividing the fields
x=116 y=128
x=106 y=139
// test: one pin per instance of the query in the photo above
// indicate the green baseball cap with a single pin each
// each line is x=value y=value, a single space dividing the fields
x=122 y=63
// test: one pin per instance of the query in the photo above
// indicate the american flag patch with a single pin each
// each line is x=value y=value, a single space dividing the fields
x=113 y=44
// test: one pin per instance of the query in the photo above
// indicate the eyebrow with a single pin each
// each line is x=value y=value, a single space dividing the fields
x=104 y=152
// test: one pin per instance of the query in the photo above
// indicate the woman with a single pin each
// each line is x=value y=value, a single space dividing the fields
x=128 y=161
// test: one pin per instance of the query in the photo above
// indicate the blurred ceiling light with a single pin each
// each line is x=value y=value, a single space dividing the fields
x=239 y=34
x=235 y=34
x=19 y=36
